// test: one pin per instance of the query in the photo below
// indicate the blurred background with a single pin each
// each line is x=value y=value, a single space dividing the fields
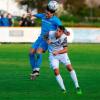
x=73 y=13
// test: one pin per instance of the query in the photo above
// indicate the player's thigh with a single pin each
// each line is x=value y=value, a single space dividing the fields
x=65 y=59
x=36 y=44
x=54 y=63
x=43 y=45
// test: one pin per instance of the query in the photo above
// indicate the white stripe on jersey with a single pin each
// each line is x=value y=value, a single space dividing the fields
x=57 y=43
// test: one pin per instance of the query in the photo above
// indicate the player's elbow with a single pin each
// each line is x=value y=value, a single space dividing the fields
x=67 y=33
x=65 y=49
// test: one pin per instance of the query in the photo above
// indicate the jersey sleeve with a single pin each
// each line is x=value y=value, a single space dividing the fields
x=40 y=15
x=64 y=43
x=58 y=22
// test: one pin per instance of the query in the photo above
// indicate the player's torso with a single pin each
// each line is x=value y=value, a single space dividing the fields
x=48 y=25
x=56 y=44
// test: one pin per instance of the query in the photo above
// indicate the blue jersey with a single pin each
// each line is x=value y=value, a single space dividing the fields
x=48 y=24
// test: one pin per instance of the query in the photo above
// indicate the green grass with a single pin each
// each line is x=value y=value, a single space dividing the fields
x=15 y=69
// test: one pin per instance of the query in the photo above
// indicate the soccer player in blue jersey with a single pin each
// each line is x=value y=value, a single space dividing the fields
x=49 y=23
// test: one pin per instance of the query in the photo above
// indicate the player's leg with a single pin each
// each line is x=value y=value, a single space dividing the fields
x=55 y=65
x=59 y=79
x=32 y=56
x=41 y=49
x=65 y=59
x=74 y=78
x=38 y=59
x=73 y=75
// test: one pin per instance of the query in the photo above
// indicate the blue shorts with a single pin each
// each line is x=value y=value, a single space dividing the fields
x=40 y=43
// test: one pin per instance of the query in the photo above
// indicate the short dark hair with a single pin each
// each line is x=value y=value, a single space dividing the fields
x=62 y=28
x=51 y=11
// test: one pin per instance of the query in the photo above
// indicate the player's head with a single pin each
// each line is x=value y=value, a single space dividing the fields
x=60 y=31
x=49 y=13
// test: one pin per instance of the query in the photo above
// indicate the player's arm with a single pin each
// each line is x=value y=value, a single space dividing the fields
x=40 y=15
x=64 y=50
x=67 y=33
x=47 y=39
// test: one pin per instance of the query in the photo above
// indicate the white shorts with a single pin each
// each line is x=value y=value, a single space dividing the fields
x=54 y=60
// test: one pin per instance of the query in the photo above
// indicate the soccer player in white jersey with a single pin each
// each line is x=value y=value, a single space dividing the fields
x=58 y=52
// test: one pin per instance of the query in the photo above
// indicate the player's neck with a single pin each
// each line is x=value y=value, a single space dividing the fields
x=57 y=37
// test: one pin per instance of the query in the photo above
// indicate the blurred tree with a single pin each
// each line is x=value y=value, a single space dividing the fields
x=94 y=6
x=39 y=4
x=74 y=6
x=80 y=8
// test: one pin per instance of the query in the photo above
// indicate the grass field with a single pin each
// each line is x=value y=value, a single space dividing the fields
x=15 y=69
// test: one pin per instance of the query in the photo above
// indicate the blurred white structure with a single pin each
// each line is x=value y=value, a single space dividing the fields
x=12 y=7
x=29 y=35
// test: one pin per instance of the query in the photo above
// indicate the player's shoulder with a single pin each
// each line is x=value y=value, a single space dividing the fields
x=55 y=18
x=51 y=32
x=40 y=15
x=63 y=36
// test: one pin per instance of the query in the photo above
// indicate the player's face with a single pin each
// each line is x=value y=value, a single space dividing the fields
x=59 y=32
x=48 y=14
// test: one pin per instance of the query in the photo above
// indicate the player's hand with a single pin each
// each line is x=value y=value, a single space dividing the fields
x=55 y=53
x=49 y=41
x=67 y=33
x=45 y=37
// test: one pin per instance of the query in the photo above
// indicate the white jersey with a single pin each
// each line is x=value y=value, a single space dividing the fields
x=56 y=43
